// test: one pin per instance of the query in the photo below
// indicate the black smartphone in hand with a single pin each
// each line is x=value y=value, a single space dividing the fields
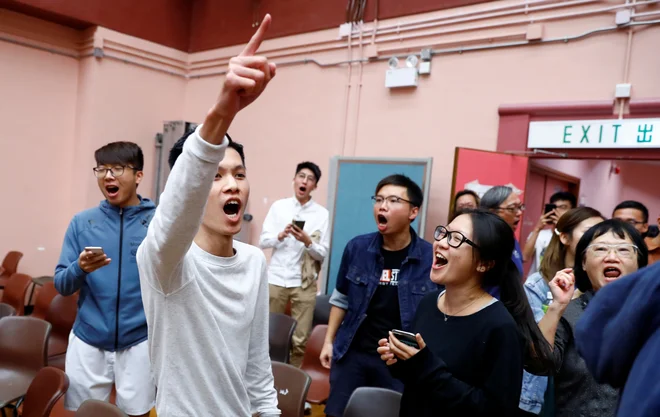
x=300 y=224
x=406 y=338
x=549 y=208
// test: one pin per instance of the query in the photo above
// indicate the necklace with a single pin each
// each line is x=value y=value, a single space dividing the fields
x=473 y=301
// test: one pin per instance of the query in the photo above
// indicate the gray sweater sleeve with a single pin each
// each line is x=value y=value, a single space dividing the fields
x=259 y=375
x=179 y=213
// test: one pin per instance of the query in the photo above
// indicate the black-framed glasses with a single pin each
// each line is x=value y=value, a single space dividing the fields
x=391 y=199
x=633 y=222
x=116 y=171
x=514 y=209
x=454 y=239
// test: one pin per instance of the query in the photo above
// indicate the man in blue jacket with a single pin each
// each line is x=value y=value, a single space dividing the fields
x=618 y=337
x=108 y=344
x=381 y=280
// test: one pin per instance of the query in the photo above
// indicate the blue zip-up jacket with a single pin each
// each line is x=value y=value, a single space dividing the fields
x=358 y=277
x=110 y=312
x=618 y=336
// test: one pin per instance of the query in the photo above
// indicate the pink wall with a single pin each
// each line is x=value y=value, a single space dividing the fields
x=308 y=112
x=38 y=113
x=603 y=190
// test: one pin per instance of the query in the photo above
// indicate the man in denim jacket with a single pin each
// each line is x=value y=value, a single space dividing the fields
x=380 y=282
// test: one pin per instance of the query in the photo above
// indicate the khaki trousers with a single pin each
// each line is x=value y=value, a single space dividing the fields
x=302 y=310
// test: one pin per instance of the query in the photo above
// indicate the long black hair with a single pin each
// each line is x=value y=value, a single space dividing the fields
x=618 y=228
x=495 y=240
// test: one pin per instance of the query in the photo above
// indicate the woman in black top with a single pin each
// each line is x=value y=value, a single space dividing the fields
x=472 y=346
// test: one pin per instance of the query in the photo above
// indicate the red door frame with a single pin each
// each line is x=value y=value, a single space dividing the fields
x=514 y=126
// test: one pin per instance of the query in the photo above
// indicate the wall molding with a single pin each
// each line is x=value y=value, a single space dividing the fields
x=481 y=26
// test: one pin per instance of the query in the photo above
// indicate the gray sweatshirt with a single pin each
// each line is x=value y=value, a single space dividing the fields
x=207 y=315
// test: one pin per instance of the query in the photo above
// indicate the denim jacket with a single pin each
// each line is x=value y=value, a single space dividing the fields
x=534 y=386
x=358 y=277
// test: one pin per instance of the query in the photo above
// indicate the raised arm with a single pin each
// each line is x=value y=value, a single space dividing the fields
x=179 y=214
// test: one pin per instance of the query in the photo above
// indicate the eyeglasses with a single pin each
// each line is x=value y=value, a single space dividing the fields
x=391 y=200
x=454 y=239
x=309 y=178
x=633 y=222
x=622 y=250
x=513 y=209
x=117 y=171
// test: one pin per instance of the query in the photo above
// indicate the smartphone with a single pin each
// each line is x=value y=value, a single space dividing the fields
x=300 y=224
x=549 y=208
x=406 y=338
x=96 y=250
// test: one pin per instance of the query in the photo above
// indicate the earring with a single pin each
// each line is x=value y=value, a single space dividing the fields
x=481 y=269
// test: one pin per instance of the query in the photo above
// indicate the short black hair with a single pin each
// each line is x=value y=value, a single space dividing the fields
x=631 y=204
x=177 y=149
x=415 y=194
x=618 y=228
x=310 y=166
x=564 y=196
x=120 y=153
x=467 y=192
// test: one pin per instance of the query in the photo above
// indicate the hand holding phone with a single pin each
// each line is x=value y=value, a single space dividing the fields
x=406 y=338
x=300 y=224
x=92 y=258
x=95 y=250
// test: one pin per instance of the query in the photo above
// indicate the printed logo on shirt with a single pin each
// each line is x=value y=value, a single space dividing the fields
x=389 y=277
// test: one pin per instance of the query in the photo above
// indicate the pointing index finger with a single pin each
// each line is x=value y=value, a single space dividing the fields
x=255 y=42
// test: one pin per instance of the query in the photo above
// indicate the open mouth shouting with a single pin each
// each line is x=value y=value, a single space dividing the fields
x=440 y=261
x=232 y=209
x=382 y=222
x=612 y=273
x=112 y=190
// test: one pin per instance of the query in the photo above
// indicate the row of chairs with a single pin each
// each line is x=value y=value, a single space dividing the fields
x=48 y=387
x=25 y=380
x=50 y=306
x=292 y=386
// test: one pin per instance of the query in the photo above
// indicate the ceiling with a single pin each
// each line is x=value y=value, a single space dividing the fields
x=198 y=25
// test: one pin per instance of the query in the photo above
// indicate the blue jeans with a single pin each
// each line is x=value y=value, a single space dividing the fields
x=356 y=369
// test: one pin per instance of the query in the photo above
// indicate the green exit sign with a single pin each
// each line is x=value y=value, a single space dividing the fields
x=596 y=134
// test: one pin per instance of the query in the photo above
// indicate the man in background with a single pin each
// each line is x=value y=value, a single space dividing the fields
x=634 y=213
x=538 y=240
x=464 y=200
x=108 y=343
x=653 y=243
x=382 y=278
x=296 y=228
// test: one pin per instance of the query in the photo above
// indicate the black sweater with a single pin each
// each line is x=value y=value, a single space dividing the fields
x=471 y=366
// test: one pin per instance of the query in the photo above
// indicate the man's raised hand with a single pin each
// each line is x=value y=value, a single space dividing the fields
x=246 y=79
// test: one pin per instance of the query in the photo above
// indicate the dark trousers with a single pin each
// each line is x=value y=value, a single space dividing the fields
x=357 y=369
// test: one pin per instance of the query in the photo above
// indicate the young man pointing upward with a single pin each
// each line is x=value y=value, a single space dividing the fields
x=206 y=295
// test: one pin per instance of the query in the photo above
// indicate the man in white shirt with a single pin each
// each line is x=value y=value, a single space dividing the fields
x=205 y=295
x=539 y=239
x=296 y=228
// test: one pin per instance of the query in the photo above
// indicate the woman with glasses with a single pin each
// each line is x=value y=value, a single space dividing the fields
x=560 y=254
x=606 y=252
x=504 y=202
x=467 y=355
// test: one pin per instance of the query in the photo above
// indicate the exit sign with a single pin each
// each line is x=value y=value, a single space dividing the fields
x=595 y=134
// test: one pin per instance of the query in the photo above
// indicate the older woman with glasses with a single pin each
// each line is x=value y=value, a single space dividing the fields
x=605 y=253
